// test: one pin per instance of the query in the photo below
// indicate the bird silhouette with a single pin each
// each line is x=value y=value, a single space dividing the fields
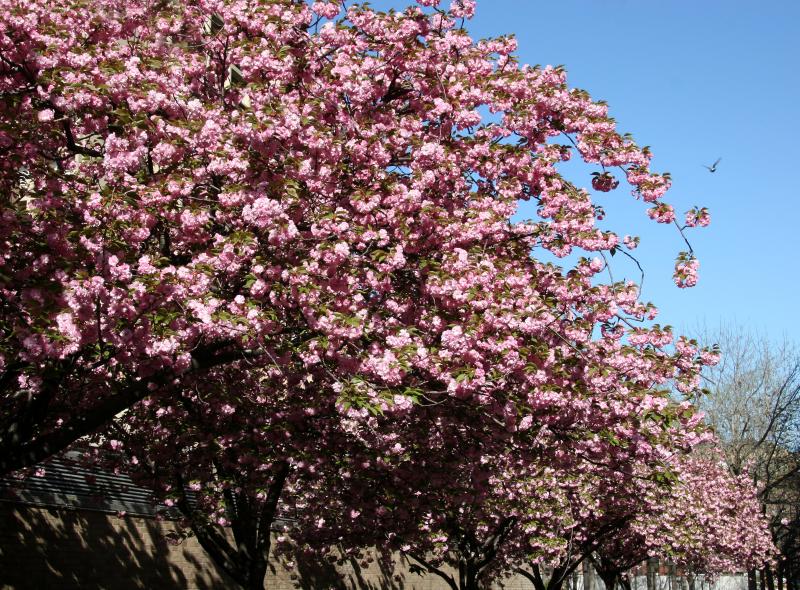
x=713 y=167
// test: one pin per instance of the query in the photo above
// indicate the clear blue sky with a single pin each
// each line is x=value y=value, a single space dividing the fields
x=695 y=80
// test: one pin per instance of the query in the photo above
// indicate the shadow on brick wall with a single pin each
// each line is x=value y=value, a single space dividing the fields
x=313 y=575
x=65 y=549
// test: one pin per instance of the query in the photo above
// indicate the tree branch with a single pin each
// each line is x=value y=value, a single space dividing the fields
x=433 y=569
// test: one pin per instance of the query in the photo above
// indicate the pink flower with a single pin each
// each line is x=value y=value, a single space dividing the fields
x=326 y=9
x=604 y=182
x=698 y=217
x=462 y=8
x=686 y=268
x=662 y=213
x=631 y=243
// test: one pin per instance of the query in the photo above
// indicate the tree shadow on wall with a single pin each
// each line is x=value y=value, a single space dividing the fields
x=67 y=549
x=317 y=575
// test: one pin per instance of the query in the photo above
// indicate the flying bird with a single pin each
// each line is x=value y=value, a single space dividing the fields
x=713 y=167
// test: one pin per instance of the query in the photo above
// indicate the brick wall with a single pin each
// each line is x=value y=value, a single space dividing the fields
x=62 y=549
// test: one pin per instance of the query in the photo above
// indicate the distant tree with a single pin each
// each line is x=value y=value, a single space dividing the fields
x=753 y=403
x=708 y=522
x=489 y=502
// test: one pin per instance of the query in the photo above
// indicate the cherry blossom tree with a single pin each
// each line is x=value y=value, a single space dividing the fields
x=188 y=185
x=708 y=522
x=490 y=502
x=222 y=457
x=209 y=203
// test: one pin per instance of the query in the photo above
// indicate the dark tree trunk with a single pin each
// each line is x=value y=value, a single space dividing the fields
x=780 y=574
x=770 y=578
x=555 y=583
x=558 y=576
x=451 y=582
x=606 y=569
x=609 y=578
x=468 y=575
x=752 y=582
x=247 y=560
x=534 y=576
x=476 y=556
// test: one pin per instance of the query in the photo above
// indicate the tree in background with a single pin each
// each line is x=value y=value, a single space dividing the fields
x=709 y=522
x=753 y=403
x=490 y=502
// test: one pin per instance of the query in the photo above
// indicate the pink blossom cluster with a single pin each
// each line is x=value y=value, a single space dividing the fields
x=686 y=268
x=698 y=217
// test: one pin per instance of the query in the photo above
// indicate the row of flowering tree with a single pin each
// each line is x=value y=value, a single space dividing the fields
x=263 y=251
